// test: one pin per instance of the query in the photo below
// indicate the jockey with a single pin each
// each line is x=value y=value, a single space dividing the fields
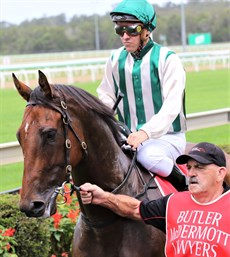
x=152 y=80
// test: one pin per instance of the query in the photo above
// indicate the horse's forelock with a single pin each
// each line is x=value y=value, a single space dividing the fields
x=38 y=97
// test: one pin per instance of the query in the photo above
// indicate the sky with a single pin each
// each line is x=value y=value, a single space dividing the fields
x=17 y=11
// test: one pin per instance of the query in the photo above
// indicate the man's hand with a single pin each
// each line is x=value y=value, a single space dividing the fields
x=91 y=194
x=136 y=138
x=122 y=205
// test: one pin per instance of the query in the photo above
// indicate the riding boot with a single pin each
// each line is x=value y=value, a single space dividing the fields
x=177 y=179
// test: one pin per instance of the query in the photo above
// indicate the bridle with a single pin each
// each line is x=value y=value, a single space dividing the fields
x=67 y=124
x=66 y=119
x=63 y=110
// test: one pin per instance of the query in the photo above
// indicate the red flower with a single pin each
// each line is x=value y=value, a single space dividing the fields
x=8 y=246
x=9 y=232
x=73 y=215
x=57 y=217
x=64 y=255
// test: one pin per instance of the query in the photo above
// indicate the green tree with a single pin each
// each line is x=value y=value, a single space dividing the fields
x=55 y=34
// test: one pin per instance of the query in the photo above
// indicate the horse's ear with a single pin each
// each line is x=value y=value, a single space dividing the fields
x=45 y=85
x=23 y=89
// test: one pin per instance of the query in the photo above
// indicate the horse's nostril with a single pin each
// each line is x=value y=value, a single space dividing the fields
x=34 y=209
x=38 y=206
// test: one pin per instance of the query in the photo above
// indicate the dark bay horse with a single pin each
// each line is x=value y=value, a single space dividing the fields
x=66 y=131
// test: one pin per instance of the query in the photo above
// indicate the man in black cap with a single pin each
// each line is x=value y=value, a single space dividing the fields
x=195 y=221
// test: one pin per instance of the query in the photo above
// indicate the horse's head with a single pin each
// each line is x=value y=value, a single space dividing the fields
x=43 y=139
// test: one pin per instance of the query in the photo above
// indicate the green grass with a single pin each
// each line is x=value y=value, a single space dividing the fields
x=12 y=107
x=11 y=176
x=217 y=135
x=206 y=90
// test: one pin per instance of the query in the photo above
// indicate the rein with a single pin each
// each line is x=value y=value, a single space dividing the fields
x=119 y=187
x=131 y=168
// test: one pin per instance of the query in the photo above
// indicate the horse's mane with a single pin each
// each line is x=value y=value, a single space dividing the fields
x=81 y=98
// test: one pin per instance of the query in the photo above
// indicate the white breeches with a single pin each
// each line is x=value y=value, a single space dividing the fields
x=159 y=155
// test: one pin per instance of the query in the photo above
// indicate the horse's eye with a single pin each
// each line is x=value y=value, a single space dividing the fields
x=49 y=135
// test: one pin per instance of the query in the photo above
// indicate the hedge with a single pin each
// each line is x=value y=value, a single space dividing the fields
x=21 y=236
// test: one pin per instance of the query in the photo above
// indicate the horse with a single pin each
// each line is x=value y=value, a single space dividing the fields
x=69 y=136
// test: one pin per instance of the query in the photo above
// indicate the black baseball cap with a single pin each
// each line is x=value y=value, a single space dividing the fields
x=204 y=153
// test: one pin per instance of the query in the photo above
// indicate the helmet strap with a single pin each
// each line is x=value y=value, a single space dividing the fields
x=150 y=22
x=137 y=53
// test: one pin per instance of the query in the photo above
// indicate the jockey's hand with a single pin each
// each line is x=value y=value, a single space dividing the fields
x=91 y=194
x=136 y=138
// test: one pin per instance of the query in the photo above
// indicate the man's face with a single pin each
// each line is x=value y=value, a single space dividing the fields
x=203 y=179
x=130 y=41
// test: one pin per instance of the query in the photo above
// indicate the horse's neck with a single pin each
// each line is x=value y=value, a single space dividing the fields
x=106 y=161
x=105 y=167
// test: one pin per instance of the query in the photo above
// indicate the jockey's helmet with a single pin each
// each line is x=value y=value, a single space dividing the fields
x=135 y=11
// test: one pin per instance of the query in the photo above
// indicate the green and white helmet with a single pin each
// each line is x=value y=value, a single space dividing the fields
x=134 y=11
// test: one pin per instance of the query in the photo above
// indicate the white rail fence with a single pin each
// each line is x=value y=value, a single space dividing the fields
x=91 y=68
x=11 y=152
